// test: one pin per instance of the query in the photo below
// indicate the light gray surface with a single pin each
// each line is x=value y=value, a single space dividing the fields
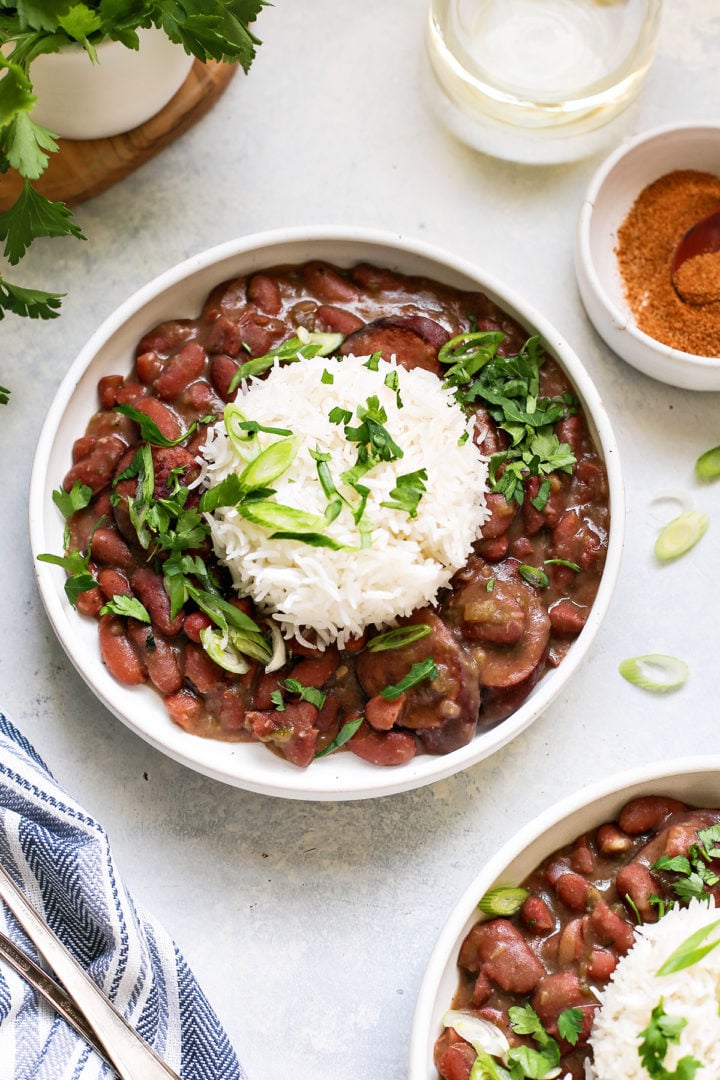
x=309 y=925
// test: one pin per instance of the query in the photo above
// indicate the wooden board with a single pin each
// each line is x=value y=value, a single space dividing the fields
x=83 y=168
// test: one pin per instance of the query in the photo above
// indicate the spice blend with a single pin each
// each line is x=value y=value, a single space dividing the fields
x=657 y=221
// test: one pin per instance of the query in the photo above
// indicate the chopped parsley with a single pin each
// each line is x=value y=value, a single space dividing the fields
x=424 y=669
x=656 y=1038
x=695 y=877
x=344 y=735
x=509 y=387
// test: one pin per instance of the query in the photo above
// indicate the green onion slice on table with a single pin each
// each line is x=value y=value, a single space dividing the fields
x=681 y=534
x=655 y=672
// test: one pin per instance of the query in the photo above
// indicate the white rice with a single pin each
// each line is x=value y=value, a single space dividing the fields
x=337 y=594
x=635 y=990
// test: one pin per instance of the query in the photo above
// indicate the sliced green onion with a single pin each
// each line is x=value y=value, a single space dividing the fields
x=398 y=638
x=222 y=651
x=655 y=672
x=277 y=660
x=480 y=1033
x=270 y=464
x=534 y=576
x=272 y=515
x=681 y=534
x=244 y=442
x=503 y=901
x=690 y=951
x=344 y=735
x=707 y=466
x=564 y=562
x=327 y=343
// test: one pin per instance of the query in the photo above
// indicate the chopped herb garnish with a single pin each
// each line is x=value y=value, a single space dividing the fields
x=408 y=492
x=152 y=433
x=76 y=566
x=563 y=562
x=690 y=951
x=510 y=389
x=696 y=879
x=534 y=576
x=344 y=735
x=398 y=638
x=307 y=693
x=77 y=498
x=661 y=1032
x=129 y=606
x=424 y=669
x=278 y=700
x=505 y=900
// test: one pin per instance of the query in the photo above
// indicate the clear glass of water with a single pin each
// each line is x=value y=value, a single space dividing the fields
x=539 y=80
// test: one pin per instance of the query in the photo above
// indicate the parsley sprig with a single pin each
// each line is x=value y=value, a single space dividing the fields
x=207 y=29
x=510 y=389
x=657 y=1037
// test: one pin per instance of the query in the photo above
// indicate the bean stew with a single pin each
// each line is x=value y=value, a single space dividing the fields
x=510 y=614
x=574 y=922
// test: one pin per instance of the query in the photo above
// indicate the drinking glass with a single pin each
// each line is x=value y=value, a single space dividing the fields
x=539 y=80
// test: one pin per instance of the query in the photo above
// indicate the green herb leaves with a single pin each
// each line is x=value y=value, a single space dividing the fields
x=510 y=389
x=661 y=1032
x=208 y=29
x=696 y=877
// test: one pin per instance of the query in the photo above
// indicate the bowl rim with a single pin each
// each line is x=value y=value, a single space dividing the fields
x=626 y=784
x=622 y=319
x=323 y=780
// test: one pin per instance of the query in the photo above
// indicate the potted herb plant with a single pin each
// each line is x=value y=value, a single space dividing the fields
x=217 y=30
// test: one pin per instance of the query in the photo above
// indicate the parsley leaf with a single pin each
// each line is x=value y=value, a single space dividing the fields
x=126 y=605
x=32 y=216
x=306 y=693
x=656 y=1038
x=570 y=1024
x=77 y=498
x=408 y=492
x=344 y=735
x=424 y=669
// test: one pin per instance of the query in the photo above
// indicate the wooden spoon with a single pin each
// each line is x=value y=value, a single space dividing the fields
x=702 y=239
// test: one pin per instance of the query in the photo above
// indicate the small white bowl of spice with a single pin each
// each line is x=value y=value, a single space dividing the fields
x=640 y=205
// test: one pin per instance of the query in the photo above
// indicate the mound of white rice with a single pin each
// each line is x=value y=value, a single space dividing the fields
x=337 y=593
x=636 y=989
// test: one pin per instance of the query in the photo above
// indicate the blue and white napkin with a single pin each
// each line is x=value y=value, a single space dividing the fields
x=61 y=858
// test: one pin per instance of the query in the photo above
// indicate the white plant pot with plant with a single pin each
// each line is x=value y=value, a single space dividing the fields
x=35 y=35
x=78 y=98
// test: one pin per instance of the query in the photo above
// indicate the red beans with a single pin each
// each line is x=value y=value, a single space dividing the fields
x=492 y=634
x=118 y=653
x=649 y=812
x=181 y=370
x=577 y=923
x=150 y=589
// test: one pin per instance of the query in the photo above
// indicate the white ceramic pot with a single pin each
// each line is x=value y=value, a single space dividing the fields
x=78 y=99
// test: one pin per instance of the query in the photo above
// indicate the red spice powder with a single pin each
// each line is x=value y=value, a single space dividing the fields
x=657 y=221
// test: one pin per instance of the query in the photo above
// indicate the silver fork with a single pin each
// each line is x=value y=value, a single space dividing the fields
x=122 y=1047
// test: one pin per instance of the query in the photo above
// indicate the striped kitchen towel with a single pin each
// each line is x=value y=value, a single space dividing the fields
x=61 y=858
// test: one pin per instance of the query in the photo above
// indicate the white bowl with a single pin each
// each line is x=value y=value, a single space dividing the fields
x=78 y=99
x=693 y=780
x=181 y=292
x=612 y=191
